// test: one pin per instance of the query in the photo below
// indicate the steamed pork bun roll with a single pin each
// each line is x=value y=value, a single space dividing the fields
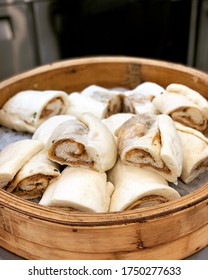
x=114 y=122
x=34 y=177
x=80 y=104
x=44 y=131
x=109 y=98
x=185 y=106
x=137 y=188
x=14 y=156
x=26 y=110
x=79 y=189
x=151 y=141
x=195 y=152
x=84 y=142
x=139 y=100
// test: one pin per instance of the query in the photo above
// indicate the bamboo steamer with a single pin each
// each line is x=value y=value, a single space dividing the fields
x=173 y=230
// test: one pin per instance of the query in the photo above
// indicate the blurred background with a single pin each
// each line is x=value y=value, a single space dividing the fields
x=37 y=32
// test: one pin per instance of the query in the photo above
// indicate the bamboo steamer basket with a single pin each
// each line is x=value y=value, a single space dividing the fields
x=173 y=230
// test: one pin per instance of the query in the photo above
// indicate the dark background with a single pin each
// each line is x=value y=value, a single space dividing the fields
x=144 y=28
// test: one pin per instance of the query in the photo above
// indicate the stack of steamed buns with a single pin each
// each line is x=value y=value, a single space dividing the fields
x=104 y=150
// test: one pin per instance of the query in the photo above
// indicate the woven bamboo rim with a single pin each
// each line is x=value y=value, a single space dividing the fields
x=135 y=71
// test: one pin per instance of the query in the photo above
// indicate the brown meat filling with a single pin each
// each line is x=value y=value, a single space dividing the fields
x=147 y=201
x=38 y=189
x=113 y=107
x=188 y=121
x=145 y=154
x=80 y=155
x=202 y=164
x=47 y=112
x=32 y=180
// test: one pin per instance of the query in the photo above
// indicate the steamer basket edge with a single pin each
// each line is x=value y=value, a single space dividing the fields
x=73 y=75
